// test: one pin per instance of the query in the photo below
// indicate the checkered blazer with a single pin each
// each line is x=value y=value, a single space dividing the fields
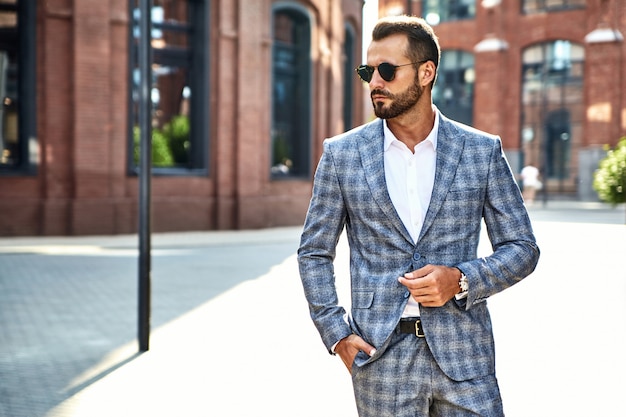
x=473 y=182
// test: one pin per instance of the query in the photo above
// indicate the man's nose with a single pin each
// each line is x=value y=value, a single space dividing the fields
x=377 y=81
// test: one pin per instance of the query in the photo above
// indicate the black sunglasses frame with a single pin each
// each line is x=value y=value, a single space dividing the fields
x=386 y=70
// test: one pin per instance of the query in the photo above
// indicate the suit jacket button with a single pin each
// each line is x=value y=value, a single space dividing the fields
x=416 y=256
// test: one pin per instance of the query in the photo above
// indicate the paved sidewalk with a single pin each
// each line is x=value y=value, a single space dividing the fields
x=231 y=335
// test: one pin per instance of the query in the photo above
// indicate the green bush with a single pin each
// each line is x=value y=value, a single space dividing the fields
x=161 y=153
x=177 y=131
x=170 y=145
x=610 y=178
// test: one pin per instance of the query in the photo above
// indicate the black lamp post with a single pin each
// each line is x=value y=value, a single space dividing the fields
x=145 y=171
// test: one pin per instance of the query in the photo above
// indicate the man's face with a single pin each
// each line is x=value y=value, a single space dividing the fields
x=396 y=104
x=393 y=98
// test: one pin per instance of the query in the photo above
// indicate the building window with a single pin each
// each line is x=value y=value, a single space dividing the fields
x=291 y=83
x=18 y=144
x=439 y=11
x=453 y=93
x=552 y=107
x=539 y=6
x=178 y=90
x=348 y=76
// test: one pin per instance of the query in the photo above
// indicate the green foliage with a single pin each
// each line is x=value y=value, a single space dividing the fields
x=169 y=145
x=161 y=154
x=610 y=177
x=177 y=131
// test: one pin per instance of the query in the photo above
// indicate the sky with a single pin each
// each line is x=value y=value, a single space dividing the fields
x=370 y=15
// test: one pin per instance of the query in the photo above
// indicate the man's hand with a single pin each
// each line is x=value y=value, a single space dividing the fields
x=348 y=347
x=432 y=285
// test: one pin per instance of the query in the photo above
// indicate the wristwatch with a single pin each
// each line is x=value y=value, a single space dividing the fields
x=463 y=283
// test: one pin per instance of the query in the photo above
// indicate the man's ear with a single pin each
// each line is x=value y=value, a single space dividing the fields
x=427 y=73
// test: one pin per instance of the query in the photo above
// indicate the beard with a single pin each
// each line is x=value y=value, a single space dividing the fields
x=400 y=103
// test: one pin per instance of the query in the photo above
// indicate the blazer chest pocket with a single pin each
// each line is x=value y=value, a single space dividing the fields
x=362 y=299
x=464 y=192
x=463 y=203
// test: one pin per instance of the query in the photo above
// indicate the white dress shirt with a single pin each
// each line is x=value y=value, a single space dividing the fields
x=410 y=176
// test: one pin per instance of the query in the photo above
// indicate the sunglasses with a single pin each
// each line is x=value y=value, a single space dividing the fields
x=386 y=70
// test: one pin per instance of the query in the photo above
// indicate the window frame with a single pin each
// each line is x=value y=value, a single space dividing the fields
x=198 y=76
x=543 y=70
x=304 y=84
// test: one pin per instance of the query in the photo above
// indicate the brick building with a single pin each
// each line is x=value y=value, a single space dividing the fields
x=548 y=76
x=243 y=92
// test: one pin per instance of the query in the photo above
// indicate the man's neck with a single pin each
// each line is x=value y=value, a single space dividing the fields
x=413 y=127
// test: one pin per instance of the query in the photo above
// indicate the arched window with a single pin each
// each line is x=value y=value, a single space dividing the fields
x=552 y=106
x=453 y=93
x=291 y=80
x=348 y=76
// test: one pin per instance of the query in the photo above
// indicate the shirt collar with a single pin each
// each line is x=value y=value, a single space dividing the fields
x=432 y=136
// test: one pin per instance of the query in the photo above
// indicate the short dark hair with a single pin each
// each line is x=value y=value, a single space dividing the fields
x=423 y=43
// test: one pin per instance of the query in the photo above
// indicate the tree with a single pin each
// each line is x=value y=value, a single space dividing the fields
x=610 y=178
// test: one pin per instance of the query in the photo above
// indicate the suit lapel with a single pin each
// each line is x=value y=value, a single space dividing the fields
x=371 y=150
x=449 y=149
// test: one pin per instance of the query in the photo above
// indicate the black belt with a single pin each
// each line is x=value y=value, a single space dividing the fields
x=411 y=326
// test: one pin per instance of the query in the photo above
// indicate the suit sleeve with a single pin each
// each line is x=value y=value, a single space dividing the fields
x=324 y=223
x=515 y=251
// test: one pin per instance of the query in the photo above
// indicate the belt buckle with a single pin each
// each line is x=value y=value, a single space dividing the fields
x=419 y=332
